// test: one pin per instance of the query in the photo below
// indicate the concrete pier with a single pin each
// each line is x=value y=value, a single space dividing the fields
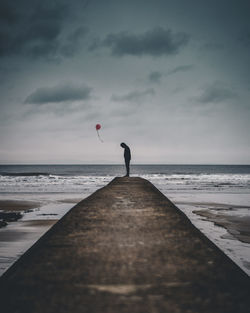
x=126 y=248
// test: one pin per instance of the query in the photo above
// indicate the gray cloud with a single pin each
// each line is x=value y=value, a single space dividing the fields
x=7 y=13
x=156 y=42
x=155 y=77
x=182 y=68
x=212 y=46
x=216 y=93
x=73 y=41
x=35 y=29
x=244 y=38
x=133 y=96
x=59 y=93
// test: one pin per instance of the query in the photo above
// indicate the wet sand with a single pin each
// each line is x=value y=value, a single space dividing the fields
x=20 y=230
x=18 y=237
x=12 y=210
x=18 y=205
x=75 y=200
x=235 y=248
x=237 y=226
x=23 y=223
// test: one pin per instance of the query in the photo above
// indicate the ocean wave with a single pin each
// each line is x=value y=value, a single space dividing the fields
x=39 y=181
x=51 y=183
x=24 y=174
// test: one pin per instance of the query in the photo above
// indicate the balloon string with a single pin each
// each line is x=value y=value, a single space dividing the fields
x=99 y=136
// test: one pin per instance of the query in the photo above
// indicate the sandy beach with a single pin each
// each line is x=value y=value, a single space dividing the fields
x=226 y=225
x=13 y=210
x=237 y=226
x=31 y=220
x=18 y=237
x=18 y=205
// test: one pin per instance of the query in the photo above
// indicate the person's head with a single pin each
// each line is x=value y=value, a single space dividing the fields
x=123 y=145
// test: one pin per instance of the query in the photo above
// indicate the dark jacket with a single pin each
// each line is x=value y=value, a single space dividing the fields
x=127 y=154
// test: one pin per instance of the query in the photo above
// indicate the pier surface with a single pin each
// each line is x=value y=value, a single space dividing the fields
x=126 y=248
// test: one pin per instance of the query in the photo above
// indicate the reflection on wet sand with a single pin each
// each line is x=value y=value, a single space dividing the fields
x=237 y=226
x=34 y=219
x=18 y=237
x=12 y=210
x=18 y=205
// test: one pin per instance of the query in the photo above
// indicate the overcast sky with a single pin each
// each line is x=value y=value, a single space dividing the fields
x=168 y=77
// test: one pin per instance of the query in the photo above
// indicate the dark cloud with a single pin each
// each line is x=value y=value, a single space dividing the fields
x=156 y=42
x=155 y=77
x=245 y=38
x=133 y=96
x=182 y=68
x=7 y=13
x=212 y=46
x=35 y=28
x=73 y=41
x=216 y=93
x=60 y=93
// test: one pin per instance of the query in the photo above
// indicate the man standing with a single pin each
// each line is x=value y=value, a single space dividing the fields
x=127 y=157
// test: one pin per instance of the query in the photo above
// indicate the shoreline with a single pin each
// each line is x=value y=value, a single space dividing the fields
x=237 y=226
x=18 y=205
x=35 y=218
x=18 y=237
x=13 y=210
x=234 y=248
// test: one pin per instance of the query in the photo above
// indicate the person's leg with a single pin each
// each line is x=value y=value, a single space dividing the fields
x=127 y=166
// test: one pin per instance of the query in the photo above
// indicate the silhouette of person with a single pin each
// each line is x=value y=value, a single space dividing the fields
x=127 y=157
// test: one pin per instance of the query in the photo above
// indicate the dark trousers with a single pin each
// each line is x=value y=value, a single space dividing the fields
x=127 y=162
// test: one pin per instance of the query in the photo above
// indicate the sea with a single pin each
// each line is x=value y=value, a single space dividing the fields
x=216 y=198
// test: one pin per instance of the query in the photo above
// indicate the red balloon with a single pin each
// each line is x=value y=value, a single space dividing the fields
x=98 y=126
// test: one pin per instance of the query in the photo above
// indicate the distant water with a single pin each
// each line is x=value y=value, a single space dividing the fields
x=220 y=190
x=75 y=178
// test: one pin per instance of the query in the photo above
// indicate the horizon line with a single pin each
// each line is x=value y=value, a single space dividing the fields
x=121 y=164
